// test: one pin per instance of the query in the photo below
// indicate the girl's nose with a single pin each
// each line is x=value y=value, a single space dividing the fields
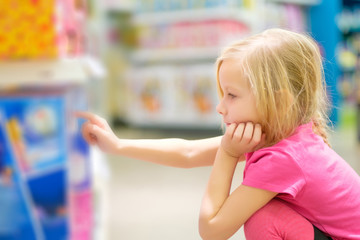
x=220 y=108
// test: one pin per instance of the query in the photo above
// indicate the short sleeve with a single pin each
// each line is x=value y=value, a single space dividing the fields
x=274 y=171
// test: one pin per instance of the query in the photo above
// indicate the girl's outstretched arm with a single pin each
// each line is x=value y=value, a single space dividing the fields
x=222 y=213
x=171 y=152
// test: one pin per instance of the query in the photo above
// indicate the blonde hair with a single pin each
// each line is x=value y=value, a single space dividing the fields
x=285 y=72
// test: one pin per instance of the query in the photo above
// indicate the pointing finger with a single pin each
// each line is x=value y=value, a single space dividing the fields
x=93 y=118
x=87 y=133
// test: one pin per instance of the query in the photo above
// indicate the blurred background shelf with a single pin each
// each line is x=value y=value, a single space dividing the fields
x=246 y=16
x=176 y=40
x=175 y=55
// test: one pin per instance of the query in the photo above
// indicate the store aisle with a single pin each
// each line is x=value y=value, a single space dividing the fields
x=344 y=143
x=152 y=202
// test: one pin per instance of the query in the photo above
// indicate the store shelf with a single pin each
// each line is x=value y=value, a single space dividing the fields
x=191 y=15
x=153 y=76
x=49 y=73
x=175 y=55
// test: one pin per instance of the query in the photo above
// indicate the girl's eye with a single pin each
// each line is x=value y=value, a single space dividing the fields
x=231 y=95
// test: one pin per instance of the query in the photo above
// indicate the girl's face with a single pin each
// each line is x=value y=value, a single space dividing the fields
x=238 y=103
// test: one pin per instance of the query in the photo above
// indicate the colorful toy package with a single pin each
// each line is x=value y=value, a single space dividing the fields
x=35 y=133
x=27 y=29
x=17 y=220
x=33 y=29
x=45 y=182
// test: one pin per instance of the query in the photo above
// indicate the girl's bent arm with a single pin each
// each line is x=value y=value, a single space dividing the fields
x=222 y=213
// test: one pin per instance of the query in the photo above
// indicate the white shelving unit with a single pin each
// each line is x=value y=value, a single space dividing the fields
x=41 y=73
x=245 y=16
x=256 y=18
x=195 y=99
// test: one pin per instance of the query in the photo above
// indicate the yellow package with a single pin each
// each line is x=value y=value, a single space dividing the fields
x=28 y=29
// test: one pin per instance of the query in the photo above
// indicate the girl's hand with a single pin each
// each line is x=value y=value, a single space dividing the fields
x=96 y=131
x=242 y=138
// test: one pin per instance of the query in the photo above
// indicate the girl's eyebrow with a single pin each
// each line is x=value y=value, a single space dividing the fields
x=231 y=89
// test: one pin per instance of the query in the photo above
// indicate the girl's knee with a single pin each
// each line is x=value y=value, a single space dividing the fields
x=278 y=221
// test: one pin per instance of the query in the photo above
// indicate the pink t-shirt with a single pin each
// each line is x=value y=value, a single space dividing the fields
x=312 y=179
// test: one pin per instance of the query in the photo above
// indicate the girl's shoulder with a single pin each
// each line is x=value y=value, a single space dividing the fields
x=303 y=143
x=302 y=138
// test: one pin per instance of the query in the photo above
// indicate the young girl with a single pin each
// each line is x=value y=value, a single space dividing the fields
x=273 y=103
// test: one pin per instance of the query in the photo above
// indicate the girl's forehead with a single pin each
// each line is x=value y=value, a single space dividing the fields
x=232 y=66
x=231 y=73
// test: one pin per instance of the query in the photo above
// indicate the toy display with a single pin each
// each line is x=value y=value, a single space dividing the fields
x=44 y=169
x=45 y=180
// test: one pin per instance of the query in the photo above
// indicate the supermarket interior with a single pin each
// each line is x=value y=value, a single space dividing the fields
x=148 y=68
